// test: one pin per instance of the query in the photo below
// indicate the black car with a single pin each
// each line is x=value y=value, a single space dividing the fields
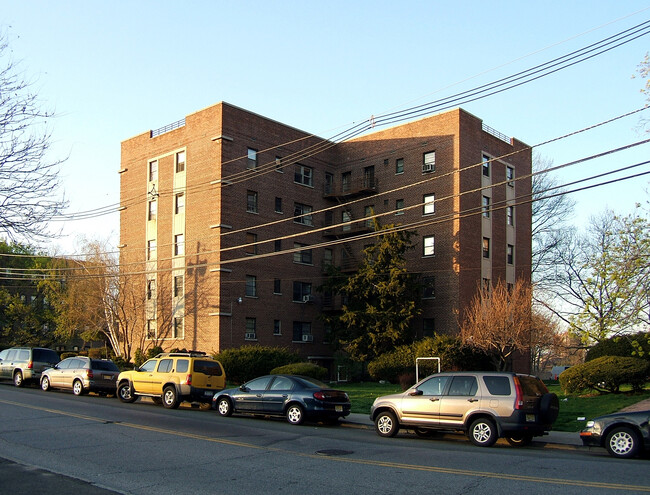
x=623 y=434
x=294 y=397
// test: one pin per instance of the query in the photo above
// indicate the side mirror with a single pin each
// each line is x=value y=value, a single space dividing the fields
x=415 y=392
x=244 y=388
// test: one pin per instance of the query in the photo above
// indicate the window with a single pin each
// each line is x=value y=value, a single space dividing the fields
x=251 y=201
x=302 y=331
x=277 y=327
x=302 y=214
x=329 y=183
x=151 y=329
x=486 y=207
x=178 y=285
x=151 y=249
x=429 y=245
x=346 y=181
x=399 y=207
x=278 y=205
x=510 y=176
x=151 y=289
x=278 y=164
x=153 y=170
x=369 y=177
x=179 y=245
x=462 y=386
x=346 y=218
x=497 y=385
x=180 y=161
x=277 y=286
x=328 y=257
x=250 y=247
x=428 y=327
x=486 y=284
x=277 y=245
x=429 y=162
x=429 y=204
x=251 y=329
x=153 y=209
x=486 y=166
x=178 y=331
x=300 y=291
x=251 y=286
x=369 y=211
x=399 y=166
x=304 y=256
x=510 y=254
x=510 y=215
x=486 y=247
x=428 y=287
x=179 y=203
x=251 y=158
x=434 y=386
x=165 y=365
x=303 y=175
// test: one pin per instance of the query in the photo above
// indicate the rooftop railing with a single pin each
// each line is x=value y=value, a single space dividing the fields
x=167 y=128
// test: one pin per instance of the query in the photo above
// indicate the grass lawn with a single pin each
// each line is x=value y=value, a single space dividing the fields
x=362 y=396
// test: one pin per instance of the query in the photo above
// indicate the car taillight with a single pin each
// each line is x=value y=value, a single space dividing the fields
x=519 y=398
x=30 y=365
x=188 y=379
x=89 y=374
x=319 y=395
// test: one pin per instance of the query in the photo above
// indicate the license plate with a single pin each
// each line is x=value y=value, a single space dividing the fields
x=208 y=393
x=108 y=377
x=338 y=408
x=530 y=418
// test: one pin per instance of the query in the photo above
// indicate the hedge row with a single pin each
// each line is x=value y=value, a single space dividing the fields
x=248 y=362
x=605 y=374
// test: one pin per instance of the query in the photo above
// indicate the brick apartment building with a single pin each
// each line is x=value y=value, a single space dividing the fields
x=229 y=218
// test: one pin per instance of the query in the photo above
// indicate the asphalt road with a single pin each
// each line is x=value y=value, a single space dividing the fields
x=55 y=442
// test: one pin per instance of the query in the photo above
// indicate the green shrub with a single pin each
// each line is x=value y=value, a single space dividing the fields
x=248 y=362
x=139 y=358
x=304 y=369
x=605 y=374
x=634 y=345
x=65 y=355
x=453 y=354
x=154 y=351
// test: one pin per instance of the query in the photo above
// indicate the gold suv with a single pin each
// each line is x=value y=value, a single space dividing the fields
x=171 y=378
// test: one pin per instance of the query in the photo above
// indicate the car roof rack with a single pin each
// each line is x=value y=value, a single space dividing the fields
x=186 y=354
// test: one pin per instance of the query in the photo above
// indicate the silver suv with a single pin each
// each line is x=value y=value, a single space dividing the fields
x=484 y=405
x=25 y=364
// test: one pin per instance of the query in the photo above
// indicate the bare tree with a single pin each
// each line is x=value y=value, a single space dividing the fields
x=501 y=322
x=29 y=182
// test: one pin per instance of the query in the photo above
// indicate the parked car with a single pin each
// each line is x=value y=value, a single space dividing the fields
x=623 y=434
x=25 y=364
x=171 y=378
x=294 y=397
x=82 y=374
x=483 y=405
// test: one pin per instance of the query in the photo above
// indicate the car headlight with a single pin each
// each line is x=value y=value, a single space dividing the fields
x=590 y=424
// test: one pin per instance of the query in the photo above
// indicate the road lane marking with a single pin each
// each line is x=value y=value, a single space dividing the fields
x=349 y=460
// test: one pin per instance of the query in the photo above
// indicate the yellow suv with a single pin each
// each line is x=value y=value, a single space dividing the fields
x=171 y=378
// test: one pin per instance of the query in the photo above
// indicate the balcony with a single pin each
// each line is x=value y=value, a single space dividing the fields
x=363 y=186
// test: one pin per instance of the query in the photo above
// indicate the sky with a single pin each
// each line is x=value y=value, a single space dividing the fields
x=112 y=70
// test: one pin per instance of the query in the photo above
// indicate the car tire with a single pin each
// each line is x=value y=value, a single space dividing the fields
x=170 y=398
x=124 y=393
x=483 y=432
x=224 y=406
x=18 y=379
x=77 y=387
x=520 y=440
x=622 y=442
x=386 y=424
x=45 y=384
x=295 y=414
x=549 y=408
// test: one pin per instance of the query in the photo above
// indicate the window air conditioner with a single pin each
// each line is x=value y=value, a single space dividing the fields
x=308 y=299
x=307 y=338
x=250 y=336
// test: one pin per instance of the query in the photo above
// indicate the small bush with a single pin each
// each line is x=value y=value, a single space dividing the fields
x=248 y=362
x=605 y=374
x=304 y=369
x=65 y=355
x=139 y=358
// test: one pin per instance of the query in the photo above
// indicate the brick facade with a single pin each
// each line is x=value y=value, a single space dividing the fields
x=231 y=201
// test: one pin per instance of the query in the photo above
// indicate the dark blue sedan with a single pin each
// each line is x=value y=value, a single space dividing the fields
x=623 y=434
x=295 y=397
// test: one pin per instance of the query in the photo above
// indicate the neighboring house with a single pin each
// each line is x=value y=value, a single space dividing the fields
x=208 y=201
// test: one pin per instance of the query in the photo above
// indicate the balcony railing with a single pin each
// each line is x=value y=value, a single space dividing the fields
x=167 y=128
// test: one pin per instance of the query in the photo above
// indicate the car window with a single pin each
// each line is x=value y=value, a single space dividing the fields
x=182 y=365
x=434 y=385
x=259 y=383
x=100 y=365
x=497 y=385
x=23 y=355
x=463 y=386
x=3 y=354
x=282 y=383
x=308 y=382
x=76 y=364
x=165 y=365
x=207 y=367
x=11 y=354
x=63 y=365
x=149 y=365
x=532 y=385
x=45 y=356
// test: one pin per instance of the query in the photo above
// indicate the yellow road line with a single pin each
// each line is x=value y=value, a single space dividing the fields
x=348 y=460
